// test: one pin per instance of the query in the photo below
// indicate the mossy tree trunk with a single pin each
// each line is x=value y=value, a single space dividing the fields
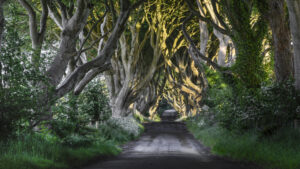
x=274 y=13
x=294 y=15
x=247 y=37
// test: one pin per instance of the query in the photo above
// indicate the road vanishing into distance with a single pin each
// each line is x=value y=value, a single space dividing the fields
x=167 y=145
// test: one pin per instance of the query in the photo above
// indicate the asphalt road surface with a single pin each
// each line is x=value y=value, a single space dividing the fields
x=167 y=145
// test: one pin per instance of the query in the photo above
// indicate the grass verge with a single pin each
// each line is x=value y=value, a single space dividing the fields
x=35 y=152
x=48 y=150
x=280 y=151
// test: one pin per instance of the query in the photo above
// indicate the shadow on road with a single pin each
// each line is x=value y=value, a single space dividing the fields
x=167 y=145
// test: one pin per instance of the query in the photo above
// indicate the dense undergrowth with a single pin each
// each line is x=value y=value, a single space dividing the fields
x=73 y=139
x=256 y=125
x=81 y=130
x=264 y=109
x=36 y=152
x=46 y=150
x=280 y=151
x=77 y=128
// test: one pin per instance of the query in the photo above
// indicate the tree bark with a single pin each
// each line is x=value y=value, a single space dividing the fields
x=204 y=37
x=282 y=40
x=224 y=42
x=67 y=49
x=128 y=80
x=198 y=55
x=294 y=15
x=69 y=37
x=2 y=21
x=37 y=36
x=102 y=60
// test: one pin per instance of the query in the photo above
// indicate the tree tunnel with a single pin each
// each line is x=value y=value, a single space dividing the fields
x=80 y=78
x=147 y=51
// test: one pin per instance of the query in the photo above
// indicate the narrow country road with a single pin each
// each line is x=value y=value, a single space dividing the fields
x=167 y=145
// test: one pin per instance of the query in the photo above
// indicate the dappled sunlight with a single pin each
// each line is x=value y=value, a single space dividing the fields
x=84 y=79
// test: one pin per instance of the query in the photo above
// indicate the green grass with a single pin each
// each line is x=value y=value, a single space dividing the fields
x=35 y=152
x=46 y=150
x=280 y=151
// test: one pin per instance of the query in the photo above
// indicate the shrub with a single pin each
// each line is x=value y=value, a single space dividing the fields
x=266 y=109
x=76 y=140
x=121 y=129
x=281 y=150
x=18 y=96
x=35 y=151
x=72 y=114
x=263 y=109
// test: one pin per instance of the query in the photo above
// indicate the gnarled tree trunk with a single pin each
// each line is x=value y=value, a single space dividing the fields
x=37 y=34
x=128 y=79
x=282 y=40
x=204 y=37
x=294 y=15
x=224 y=43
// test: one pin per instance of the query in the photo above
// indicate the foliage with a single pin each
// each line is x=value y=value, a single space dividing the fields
x=74 y=139
x=82 y=126
x=70 y=142
x=94 y=101
x=248 y=32
x=143 y=119
x=17 y=78
x=44 y=150
x=124 y=128
x=36 y=151
x=74 y=113
x=262 y=109
x=279 y=151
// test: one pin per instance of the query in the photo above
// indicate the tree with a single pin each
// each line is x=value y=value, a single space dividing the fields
x=2 y=20
x=240 y=21
x=102 y=60
x=186 y=84
x=18 y=96
x=37 y=36
x=224 y=40
x=185 y=80
x=148 y=101
x=72 y=20
x=133 y=67
x=294 y=15
x=274 y=13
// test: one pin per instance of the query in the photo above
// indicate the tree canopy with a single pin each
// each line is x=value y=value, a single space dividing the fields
x=146 y=51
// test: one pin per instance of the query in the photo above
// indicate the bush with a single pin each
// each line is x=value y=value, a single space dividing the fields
x=263 y=109
x=72 y=114
x=121 y=129
x=35 y=151
x=281 y=150
x=76 y=140
x=17 y=79
x=266 y=109
x=76 y=118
